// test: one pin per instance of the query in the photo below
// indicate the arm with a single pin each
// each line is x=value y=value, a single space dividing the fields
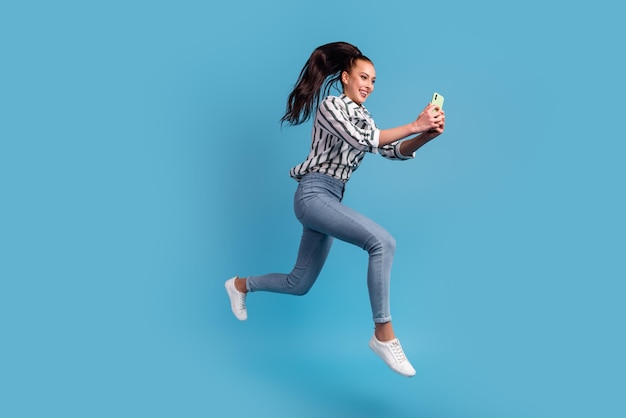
x=430 y=118
x=428 y=125
x=409 y=146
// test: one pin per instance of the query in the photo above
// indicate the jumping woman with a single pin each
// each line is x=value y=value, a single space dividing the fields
x=343 y=132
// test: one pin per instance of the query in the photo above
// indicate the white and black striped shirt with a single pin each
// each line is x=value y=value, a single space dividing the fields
x=343 y=132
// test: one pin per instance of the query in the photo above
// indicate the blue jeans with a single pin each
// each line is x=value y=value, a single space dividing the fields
x=317 y=204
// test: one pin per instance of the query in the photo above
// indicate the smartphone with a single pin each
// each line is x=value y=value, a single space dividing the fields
x=437 y=100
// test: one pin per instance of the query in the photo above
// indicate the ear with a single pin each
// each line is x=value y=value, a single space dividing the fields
x=344 y=77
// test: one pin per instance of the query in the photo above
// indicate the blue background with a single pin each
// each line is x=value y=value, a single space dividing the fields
x=142 y=164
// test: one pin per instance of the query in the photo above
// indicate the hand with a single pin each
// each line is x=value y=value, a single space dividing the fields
x=432 y=118
x=438 y=120
x=436 y=131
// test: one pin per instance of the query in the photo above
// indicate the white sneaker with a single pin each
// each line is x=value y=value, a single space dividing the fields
x=391 y=352
x=237 y=300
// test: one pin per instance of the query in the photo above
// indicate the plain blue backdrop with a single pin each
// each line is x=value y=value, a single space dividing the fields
x=142 y=164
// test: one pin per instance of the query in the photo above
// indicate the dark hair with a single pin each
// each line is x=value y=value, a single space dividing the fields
x=321 y=72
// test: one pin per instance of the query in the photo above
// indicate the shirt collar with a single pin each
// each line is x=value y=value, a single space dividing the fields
x=352 y=105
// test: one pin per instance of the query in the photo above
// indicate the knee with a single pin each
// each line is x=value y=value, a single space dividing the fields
x=298 y=286
x=301 y=291
x=384 y=243
x=391 y=243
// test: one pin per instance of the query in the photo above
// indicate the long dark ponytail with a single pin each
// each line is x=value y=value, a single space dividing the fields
x=321 y=72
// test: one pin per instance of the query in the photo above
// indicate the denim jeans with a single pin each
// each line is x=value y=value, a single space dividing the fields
x=317 y=204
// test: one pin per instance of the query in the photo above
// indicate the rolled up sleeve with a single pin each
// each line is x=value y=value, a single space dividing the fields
x=392 y=152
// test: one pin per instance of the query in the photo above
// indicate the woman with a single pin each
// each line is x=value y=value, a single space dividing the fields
x=343 y=132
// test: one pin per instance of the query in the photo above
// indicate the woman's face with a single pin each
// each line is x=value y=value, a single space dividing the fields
x=358 y=84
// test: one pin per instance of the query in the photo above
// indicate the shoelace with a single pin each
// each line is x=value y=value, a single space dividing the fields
x=242 y=301
x=396 y=350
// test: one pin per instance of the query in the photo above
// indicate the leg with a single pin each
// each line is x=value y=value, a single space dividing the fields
x=312 y=254
x=331 y=217
x=335 y=219
x=314 y=248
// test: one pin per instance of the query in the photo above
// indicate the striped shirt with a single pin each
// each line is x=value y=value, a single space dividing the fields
x=343 y=132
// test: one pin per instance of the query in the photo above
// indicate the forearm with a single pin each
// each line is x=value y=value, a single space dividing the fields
x=409 y=146
x=428 y=125
x=387 y=136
